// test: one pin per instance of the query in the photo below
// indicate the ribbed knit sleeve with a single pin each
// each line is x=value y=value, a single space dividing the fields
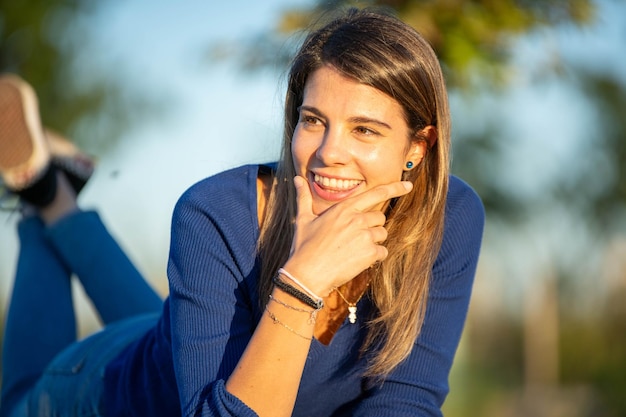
x=212 y=275
x=419 y=386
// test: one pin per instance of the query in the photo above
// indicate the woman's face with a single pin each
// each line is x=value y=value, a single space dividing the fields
x=350 y=137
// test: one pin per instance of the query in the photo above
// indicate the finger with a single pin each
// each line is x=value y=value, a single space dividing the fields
x=374 y=218
x=304 y=200
x=379 y=234
x=372 y=198
x=381 y=253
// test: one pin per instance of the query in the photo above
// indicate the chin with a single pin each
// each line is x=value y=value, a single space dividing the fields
x=321 y=206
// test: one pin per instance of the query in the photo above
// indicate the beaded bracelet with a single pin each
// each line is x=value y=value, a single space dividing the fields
x=291 y=329
x=296 y=293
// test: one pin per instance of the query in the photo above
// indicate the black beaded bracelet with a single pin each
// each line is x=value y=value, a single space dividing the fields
x=294 y=292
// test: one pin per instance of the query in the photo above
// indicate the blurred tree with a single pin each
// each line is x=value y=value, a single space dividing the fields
x=41 y=41
x=474 y=46
x=593 y=345
x=598 y=186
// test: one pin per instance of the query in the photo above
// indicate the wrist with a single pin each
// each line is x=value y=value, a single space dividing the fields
x=304 y=280
x=289 y=304
x=286 y=274
x=297 y=291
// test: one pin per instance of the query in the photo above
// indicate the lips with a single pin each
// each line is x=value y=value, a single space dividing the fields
x=328 y=191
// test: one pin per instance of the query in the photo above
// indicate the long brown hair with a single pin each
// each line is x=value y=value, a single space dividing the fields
x=378 y=50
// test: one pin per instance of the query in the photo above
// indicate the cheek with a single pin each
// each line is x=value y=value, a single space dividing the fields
x=304 y=145
x=384 y=164
x=299 y=152
x=391 y=173
x=295 y=146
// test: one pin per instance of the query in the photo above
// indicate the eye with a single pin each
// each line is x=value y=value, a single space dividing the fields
x=309 y=120
x=366 y=131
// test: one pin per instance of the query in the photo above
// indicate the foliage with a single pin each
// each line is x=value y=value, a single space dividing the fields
x=471 y=38
x=598 y=186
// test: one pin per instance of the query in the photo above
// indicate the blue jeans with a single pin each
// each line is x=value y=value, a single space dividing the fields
x=44 y=368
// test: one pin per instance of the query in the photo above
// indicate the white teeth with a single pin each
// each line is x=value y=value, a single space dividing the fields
x=337 y=184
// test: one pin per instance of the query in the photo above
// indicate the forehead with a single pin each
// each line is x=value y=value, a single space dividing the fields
x=327 y=89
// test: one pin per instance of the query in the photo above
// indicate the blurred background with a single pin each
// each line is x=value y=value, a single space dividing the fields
x=166 y=93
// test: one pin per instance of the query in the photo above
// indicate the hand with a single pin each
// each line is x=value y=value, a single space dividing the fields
x=330 y=249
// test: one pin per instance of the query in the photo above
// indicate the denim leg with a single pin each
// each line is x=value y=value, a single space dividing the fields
x=40 y=321
x=115 y=286
x=73 y=384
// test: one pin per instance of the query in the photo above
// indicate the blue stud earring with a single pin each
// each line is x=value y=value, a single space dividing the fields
x=409 y=165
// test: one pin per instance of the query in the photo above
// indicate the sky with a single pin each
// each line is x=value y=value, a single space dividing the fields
x=220 y=118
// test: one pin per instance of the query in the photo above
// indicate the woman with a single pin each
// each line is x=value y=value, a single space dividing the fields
x=336 y=285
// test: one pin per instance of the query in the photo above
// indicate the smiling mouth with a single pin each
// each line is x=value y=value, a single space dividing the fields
x=336 y=184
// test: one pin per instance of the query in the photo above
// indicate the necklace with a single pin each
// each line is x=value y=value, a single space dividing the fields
x=352 y=306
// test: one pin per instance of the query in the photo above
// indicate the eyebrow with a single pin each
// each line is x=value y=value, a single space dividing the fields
x=369 y=120
x=355 y=119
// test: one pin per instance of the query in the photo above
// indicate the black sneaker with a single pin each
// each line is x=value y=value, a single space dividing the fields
x=77 y=166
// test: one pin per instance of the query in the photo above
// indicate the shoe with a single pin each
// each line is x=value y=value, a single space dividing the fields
x=66 y=157
x=24 y=156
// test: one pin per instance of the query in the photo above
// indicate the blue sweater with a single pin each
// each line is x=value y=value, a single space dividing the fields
x=213 y=308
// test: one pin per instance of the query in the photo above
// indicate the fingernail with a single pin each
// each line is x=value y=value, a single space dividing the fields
x=408 y=185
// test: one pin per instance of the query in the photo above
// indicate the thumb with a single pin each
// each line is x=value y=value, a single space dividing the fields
x=304 y=200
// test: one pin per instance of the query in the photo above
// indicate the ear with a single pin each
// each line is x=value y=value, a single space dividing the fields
x=416 y=153
x=425 y=139
x=429 y=133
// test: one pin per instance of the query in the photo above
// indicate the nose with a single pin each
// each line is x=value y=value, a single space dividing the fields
x=333 y=149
